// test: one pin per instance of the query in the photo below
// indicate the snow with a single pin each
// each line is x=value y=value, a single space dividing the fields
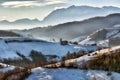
x=111 y=32
x=103 y=43
x=78 y=39
x=3 y=65
x=8 y=50
x=85 y=58
x=117 y=26
x=95 y=32
x=70 y=74
x=86 y=41
x=45 y=48
x=75 y=74
x=6 y=67
x=40 y=73
x=102 y=75
x=117 y=36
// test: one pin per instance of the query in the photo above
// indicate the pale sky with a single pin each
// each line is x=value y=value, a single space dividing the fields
x=17 y=9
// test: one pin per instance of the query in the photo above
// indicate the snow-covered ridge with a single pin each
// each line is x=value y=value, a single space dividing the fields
x=99 y=52
x=108 y=32
x=102 y=37
x=83 y=59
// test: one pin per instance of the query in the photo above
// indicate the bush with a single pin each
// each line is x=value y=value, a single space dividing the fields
x=37 y=58
x=63 y=42
x=15 y=74
x=73 y=55
x=108 y=62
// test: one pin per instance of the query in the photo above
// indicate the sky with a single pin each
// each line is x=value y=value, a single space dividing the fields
x=12 y=10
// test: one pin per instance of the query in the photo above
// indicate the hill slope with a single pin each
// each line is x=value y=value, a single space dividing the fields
x=105 y=36
x=75 y=29
x=11 y=46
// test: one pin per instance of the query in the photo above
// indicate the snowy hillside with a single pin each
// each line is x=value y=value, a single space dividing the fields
x=70 y=74
x=83 y=59
x=40 y=73
x=103 y=37
x=9 y=47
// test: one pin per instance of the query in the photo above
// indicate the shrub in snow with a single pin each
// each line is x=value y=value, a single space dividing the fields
x=109 y=73
x=38 y=58
x=15 y=74
x=63 y=42
x=109 y=62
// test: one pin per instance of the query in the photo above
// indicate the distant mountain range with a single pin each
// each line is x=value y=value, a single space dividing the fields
x=20 y=24
x=60 y=16
x=75 y=29
x=77 y=13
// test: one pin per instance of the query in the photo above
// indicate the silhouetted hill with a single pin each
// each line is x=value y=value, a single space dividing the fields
x=8 y=34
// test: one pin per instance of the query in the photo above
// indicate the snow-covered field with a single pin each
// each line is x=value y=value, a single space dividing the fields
x=70 y=74
x=40 y=73
x=9 y=49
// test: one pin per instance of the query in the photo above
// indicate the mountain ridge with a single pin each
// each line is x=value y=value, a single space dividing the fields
x=60 y=16
x=78 y=13
x=75 y=29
